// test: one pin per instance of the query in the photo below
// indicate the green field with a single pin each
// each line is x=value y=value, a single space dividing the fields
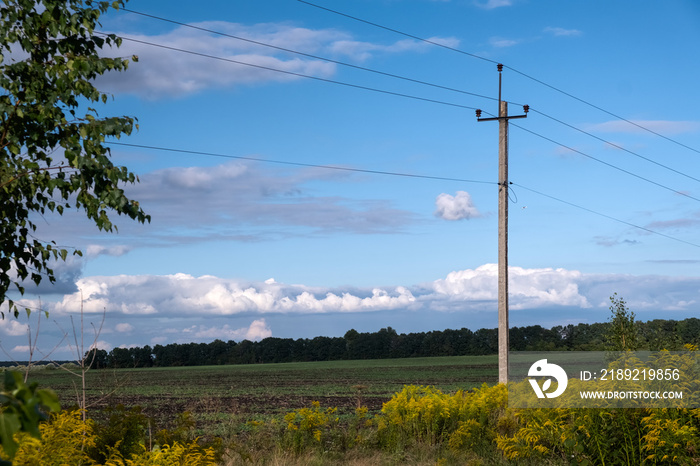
x=306 y=414
x=217 y=394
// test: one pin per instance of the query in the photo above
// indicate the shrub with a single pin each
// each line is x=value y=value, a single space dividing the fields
x=310 y=427
x=464 y=420
x=190 y=454
x=613 y=435
x=65 y=439
x=125 y=431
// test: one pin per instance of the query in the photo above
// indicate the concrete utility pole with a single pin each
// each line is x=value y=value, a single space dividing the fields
x=502 y=227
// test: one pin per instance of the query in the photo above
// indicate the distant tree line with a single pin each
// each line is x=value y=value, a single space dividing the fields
x=387 y=343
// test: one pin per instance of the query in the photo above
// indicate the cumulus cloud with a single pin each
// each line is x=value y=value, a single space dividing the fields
x=257 y=330
x=21 y=349
x=180 y=294
x=528 y=288
x=124 y=327
x=183 y=308
x=65 y=274
x=102 y=345
x=12 y=327
x=457 y=207
x=218 y=61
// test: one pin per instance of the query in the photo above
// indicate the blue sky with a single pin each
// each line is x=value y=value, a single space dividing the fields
x=241 y=247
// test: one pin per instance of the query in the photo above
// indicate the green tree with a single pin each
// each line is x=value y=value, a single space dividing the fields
x=623 y=332
x=52 y=142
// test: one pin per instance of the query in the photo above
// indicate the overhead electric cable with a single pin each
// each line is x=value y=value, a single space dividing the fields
x=301 y=75
x=428 y=41
x=399 y=95
x=616 y=146
x=603 y=110
x=315 y=57
x=506 y=66
x=681 y=193
x=299 y=164
x=605 y=215
x=387 y=173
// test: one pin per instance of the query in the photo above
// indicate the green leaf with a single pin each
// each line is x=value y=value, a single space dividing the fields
x=44 y=99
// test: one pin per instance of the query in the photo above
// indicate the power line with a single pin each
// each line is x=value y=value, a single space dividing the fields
x=605 y=215
x=616 y=146
x=394 y=76
x=300 y=164
x=378 y=172
x=681 y=193
x=301 y=75
x=604 y=110
x=387 y=173
x=509 y=67
x=304 y=54
x=238 y=62
x=406 y=96
x=427 y=41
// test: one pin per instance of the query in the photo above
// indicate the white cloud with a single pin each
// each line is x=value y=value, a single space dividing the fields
x=185 y=308
x=666 y=127
x=165 y=71
x=182 y=296
x=244 y=195
x=24 y=349
x=559 y=32
x=500 y=42
x=257 y=330
x=65 y=274
x=457 y=207
x=94 y=250
x=101 y=344
x=124 y=327
x=491 y=4
x=234 y=202
x=528 y=288
x=164 y=300
x=365 y=50
x=12 y=327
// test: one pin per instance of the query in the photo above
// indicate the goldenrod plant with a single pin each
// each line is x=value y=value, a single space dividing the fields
x=68 y=439
x=310 y=427
x=65 y=439
x=426 y=414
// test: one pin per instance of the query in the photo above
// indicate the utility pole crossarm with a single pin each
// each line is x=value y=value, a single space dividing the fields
x=502 y=118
